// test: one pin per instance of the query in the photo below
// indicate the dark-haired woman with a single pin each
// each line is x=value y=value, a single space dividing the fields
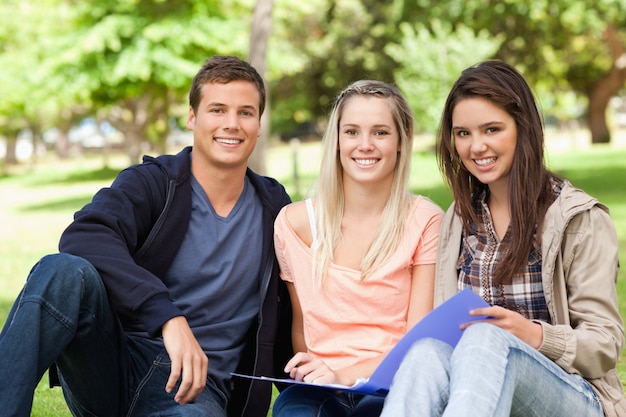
x=542 y=253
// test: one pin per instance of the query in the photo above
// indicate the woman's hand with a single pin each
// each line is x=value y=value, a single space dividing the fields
x=309 y=368
x=511 y=321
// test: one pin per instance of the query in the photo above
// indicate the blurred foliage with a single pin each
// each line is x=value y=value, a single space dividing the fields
x=430 y=61
x=559 y=45
x=129 y=62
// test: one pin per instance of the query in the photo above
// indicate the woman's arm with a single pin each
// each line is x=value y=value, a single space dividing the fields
x=422 y=293
x=297 y=326
x=588 y=337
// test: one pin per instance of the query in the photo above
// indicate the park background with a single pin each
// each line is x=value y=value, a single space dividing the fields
x=86 y=88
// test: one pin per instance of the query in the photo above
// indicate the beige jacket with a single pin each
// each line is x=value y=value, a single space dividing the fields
x=579 y=273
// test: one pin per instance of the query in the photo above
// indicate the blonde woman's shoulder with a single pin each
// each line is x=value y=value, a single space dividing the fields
x=298 y=219
x=422 y=202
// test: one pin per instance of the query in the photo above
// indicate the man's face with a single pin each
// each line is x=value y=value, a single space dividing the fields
x=226 y=125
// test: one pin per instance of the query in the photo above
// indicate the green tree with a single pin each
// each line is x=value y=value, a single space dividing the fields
x=573 y=40
x=29 y=89
x=559 y=44
x=431 y=60
x=259 y=37
x=135 y=58
x=322 y=45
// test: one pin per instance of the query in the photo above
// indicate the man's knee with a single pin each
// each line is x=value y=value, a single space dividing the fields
x=63 y=262
x=62 y=275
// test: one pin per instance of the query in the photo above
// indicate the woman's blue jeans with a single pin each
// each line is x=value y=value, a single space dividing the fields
x=62 y=315
x=310 y=401
x=490 y=373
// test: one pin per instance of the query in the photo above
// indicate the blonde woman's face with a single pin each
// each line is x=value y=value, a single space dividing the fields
x=369 y=141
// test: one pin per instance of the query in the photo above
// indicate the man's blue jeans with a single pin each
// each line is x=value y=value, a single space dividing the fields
x=490 y=373
x=63 y=315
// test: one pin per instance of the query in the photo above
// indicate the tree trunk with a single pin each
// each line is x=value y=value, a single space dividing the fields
x=601 y=92
x=134 y=145
x=259 y=36
x=599 y=96
x=68 y=118
x=10 y=157
x=133 y=120
x=36 y=141
x=62 y=144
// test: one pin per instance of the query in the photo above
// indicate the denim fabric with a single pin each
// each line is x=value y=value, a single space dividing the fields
x=150 y=399
x=309 y=401
x=490 y=373
x=62 y=315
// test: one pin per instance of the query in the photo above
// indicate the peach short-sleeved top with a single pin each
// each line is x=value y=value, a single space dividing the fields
x=347 y=320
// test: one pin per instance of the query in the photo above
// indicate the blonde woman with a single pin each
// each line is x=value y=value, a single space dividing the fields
x=359 y=256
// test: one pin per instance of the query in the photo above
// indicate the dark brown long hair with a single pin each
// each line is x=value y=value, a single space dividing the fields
x=530 y=188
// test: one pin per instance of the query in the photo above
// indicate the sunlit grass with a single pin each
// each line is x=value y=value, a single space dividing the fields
x=39 y=203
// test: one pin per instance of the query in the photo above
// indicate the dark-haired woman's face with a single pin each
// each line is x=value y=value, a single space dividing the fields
x=485 y=136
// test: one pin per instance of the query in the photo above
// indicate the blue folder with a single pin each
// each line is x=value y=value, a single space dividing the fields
x=442 y=323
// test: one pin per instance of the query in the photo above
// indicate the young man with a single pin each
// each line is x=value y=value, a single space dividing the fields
x=167 y=281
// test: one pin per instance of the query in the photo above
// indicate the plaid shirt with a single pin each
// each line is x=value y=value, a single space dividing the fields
x=480 y=253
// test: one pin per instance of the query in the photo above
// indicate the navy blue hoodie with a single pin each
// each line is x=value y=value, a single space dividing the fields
x=131 y=232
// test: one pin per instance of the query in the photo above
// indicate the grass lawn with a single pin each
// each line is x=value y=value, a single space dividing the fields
x=39 y=203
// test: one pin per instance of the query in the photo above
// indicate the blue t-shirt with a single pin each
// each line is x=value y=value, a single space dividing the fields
x=215 y=277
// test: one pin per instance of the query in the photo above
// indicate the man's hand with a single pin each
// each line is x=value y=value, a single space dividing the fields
x=187 y=358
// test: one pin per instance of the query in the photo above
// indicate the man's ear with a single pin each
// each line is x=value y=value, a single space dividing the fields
x=191 y=119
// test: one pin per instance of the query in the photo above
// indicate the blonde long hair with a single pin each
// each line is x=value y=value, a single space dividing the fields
x=329 y=207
